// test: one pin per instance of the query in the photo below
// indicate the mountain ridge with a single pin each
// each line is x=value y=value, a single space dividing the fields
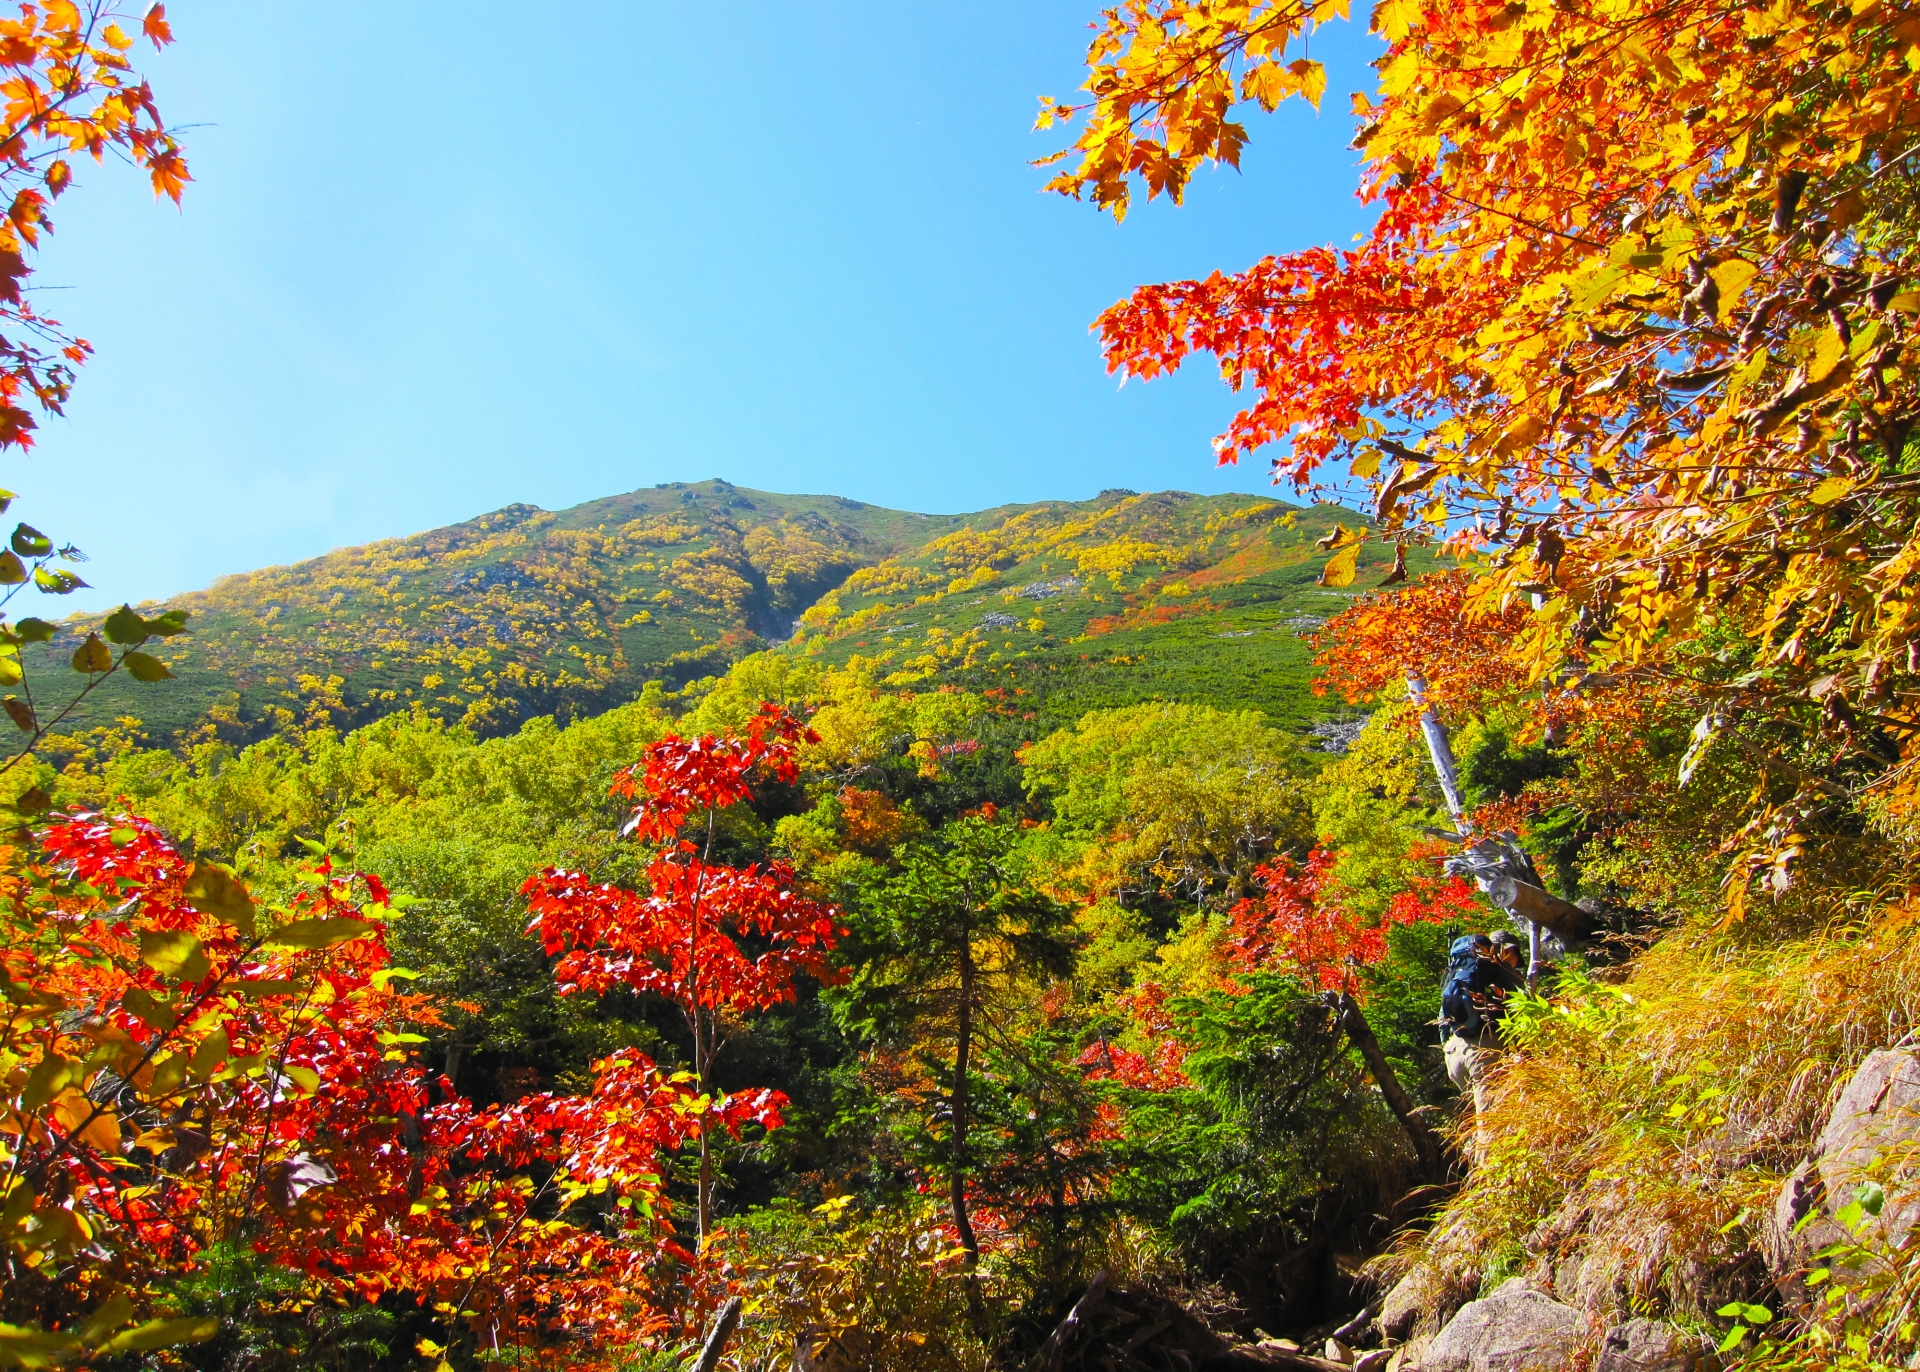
x=522 y=611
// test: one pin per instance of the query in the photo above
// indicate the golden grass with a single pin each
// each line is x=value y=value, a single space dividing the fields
x=1638 y=1134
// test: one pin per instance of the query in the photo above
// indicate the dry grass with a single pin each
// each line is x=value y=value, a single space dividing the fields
x=1638 y=1134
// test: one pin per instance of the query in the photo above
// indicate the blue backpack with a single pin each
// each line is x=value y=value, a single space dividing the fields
x=1456 y=993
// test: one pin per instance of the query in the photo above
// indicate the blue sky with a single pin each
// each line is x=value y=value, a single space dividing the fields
x=440 y=259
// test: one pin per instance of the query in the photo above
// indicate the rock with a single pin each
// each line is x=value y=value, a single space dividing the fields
x=1419 y=1303
x=1789 y=1244
x=1654 y=1346
x=1872 y=1131
x=1876 y=1119
x=1338 y=1352
x=1375 y=1361
x=1516 y=1329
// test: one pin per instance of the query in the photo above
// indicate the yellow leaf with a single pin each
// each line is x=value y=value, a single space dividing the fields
x=1908 y=301
x=1312 y=77
x=1732 y=277
x=92 y=656
x=1826 y=356
x=1522 y=433
x=1830 y=490
x=1366 y=463
x=1341 y=567
x=174 y=953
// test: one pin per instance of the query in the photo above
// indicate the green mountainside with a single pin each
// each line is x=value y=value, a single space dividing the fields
x=526 y=612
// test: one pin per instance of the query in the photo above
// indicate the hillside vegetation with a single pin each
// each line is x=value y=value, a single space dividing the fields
x=523 y=612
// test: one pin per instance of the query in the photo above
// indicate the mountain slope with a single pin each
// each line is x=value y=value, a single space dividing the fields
x=1105 y=602
x=525 y=612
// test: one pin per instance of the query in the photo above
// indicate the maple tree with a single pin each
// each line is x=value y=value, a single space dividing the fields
x=184 y=1069
x=1465 y=661
x=683 y=938
x=69 y=90
x=1632 y=327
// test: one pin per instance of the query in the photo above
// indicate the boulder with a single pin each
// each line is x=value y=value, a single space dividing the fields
x=1518 y=1328
x=1876 y=1120
x=1419 y=1303
x=1654 y=1346
x=1872 y=1131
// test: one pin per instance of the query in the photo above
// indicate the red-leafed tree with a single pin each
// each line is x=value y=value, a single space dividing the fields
x=183 y=1070
x=1300 y=925
x=1466 y=660
x=713 y=939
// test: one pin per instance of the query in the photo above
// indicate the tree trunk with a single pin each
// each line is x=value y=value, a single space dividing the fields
x=1425 y=1142
x=962 y=1064
x=705 y=1216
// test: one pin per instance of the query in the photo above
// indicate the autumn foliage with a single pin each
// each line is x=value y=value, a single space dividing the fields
x=1633 y=328
x=185 y=1069
x=68 y=89
x=690 y=937
x=1423 y=630
x=1299 y=924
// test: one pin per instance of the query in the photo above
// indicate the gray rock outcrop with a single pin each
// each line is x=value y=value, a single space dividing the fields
x=1875 y=1121
x=1654 y=1346
x=1872 y=1133
x=1518 y=1328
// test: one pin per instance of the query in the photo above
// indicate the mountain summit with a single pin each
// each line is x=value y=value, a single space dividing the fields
x=525 y=611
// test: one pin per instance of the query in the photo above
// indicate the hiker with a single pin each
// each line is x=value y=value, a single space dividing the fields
x=1481 y=973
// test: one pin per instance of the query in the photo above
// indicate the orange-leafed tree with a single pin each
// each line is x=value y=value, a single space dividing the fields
x=69 y=90
x=1635 y=322
x=182 y=1070
x=716 y=941
x=1425 y=630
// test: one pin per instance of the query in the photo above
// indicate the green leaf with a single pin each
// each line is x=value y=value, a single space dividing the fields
x=1871 y=1196
x=30 y=542
x=318 y=933
x=214 y=891
x=174 y=953
x=54 y=581
x=149 y=1009
x=33 y=630
x=92 y=656
x=145 y=667
x=168 y=624
x=124 y=625
x=162 y=1334
x=1735 y=1337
